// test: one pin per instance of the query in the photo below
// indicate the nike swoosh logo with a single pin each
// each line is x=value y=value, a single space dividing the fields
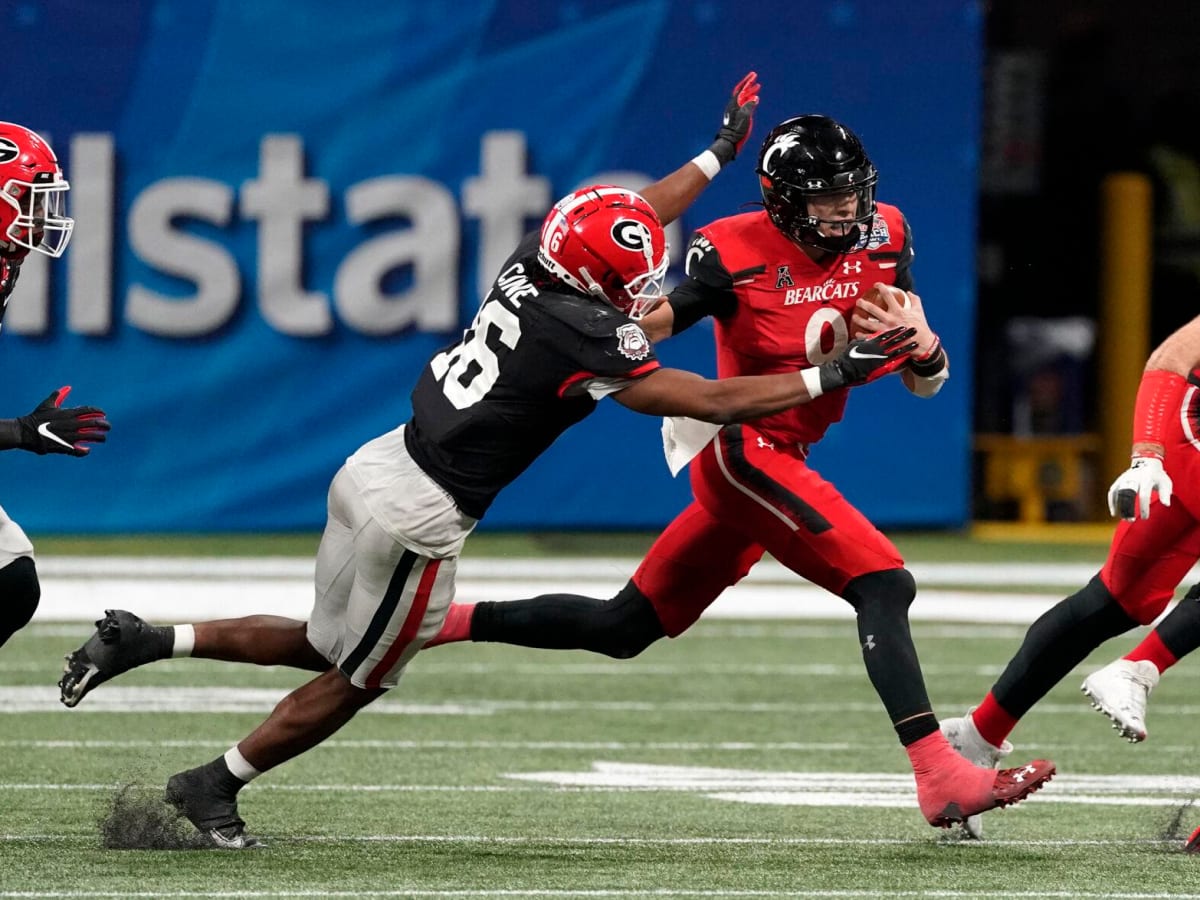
x=44 y=431
x=855 y=353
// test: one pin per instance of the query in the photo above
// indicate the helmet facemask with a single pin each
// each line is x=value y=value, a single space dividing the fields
x=835 y=234
x=40 y=222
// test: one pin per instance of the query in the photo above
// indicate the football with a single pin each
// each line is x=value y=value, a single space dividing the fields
x=860 y=325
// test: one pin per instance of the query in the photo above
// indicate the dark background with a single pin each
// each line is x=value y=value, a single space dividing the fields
x=1075 y=90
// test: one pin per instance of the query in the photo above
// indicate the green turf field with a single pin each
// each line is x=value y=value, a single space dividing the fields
x=716 y=765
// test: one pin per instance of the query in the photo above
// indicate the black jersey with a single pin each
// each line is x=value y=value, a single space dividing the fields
x=9 y=269
x=534 y=362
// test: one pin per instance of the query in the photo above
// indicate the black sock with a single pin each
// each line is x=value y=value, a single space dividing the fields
x=912 y=730
x=218 y=775
x=620 y=627
x=881 y=600
x=1180 y=630
x=1057 y=642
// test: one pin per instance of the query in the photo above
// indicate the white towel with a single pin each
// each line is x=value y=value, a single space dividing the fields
x=683 y=438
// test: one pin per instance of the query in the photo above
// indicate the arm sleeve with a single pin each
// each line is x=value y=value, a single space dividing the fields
x=707 y=289
x=10 y=435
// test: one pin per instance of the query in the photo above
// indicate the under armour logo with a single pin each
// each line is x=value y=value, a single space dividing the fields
x=851 y=266
x=869 y=643
x=1019 y=775
x=764 y=444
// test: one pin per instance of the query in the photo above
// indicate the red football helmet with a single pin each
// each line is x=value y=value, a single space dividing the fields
x=607 y=241
x=34 y=195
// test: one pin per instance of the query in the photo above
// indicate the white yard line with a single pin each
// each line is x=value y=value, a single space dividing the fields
x=181 y=589
x=114 y=698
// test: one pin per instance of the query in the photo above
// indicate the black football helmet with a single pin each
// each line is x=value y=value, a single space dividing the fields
x=809 y=157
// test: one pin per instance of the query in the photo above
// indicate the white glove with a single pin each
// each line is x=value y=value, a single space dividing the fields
x=1144 y=476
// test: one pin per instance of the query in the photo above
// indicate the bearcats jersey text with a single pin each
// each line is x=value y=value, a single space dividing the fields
x=789 y=311
x=534 y=362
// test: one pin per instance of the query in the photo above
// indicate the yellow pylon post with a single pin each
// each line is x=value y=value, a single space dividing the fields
x=1125 y=278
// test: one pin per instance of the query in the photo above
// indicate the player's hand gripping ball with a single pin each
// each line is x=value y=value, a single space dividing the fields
x=884 y=298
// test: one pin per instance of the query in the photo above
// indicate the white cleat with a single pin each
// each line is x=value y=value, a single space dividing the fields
x=1120 y=691
x=966 y=739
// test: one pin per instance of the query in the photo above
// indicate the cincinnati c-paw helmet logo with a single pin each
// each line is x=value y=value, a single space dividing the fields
x=8 y=150
x=781 y=145
x=632 y=235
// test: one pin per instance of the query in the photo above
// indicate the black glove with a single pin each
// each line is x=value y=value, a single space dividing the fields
x=51 y=429
x=868 y=358
x=739 y=117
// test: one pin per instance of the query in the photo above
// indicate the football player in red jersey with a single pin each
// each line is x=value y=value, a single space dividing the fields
x=787 y=286
x=1154 y=546
x=558 y=331
x=32 y=218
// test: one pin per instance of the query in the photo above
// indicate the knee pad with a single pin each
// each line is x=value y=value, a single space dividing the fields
x=627 y=624
x=889 y=588
x=19 y=595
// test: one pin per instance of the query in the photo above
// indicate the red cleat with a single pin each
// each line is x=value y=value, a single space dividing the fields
x=1193 y=843
x=949 y=789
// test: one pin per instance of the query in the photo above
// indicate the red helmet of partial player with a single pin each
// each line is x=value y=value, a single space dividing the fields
x=32 y=195
x=608 y=242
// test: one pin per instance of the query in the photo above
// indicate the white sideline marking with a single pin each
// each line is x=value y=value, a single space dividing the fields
x=182 y=589
x=531 y=569
x=825 y=789
x=112 y=698
x=1032 y=748
x=429 y=665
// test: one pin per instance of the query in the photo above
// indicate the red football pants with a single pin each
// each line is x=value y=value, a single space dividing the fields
x=751 y=497
x=1148 y=558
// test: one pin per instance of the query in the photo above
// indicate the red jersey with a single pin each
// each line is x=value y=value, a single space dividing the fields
x=792 y=312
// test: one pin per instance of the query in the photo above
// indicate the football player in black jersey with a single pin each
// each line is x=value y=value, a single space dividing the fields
x=32 y=192
x=557 y=332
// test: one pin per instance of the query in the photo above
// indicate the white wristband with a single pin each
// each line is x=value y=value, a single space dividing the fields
x=812 y=381
x=708 y=163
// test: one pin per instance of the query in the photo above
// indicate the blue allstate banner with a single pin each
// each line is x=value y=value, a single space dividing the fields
x=284 y=207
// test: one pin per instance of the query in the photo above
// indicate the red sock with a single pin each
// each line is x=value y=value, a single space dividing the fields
x=457 y=626
x=1154 y=650
x=992 y=721
x=929 y=752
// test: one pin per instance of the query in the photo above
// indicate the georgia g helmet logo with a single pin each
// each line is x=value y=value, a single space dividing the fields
x=8 y=150
x=633 y=235
x=782 y=145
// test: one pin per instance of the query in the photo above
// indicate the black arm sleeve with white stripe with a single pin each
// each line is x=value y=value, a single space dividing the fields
x=707 y=289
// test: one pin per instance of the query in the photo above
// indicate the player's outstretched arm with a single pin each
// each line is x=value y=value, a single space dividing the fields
x=1159 y=395
x=52 y=429
x=671 y=195
x=673 y=392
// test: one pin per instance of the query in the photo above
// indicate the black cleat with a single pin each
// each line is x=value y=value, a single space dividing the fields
x=122 y=641
x=209 y=802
